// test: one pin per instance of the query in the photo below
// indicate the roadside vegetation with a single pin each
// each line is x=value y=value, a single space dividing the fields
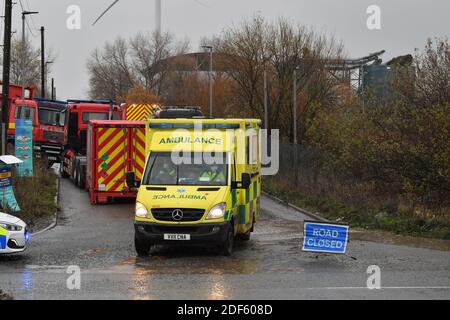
x=36 y=195
x=388 y=216
x=386 y=168
x=4 y=296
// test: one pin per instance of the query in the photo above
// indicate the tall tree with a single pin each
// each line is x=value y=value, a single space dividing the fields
x=119 y=66
x=32 y=63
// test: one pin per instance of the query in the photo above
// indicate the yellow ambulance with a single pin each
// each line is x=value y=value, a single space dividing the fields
x=201 y=183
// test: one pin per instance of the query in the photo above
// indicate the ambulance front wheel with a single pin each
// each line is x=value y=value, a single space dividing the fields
x=246 y=236
x=227 y=246
x=142 y=247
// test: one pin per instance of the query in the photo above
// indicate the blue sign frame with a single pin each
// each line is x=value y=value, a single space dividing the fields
x=24 y=147
x=325 y=237
x=7 y=197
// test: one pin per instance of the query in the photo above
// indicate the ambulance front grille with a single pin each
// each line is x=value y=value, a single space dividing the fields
x=188 y=214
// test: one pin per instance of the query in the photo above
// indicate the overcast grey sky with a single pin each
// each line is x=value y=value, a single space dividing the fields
x=405 y=25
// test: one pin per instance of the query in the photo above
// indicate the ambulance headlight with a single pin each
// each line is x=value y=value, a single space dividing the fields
x=217 y=212
x=141 y=210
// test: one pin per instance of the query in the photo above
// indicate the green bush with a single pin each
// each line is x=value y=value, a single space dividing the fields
x=400 y=145
x=36 y=195
x=4 y=296
x=361 y=217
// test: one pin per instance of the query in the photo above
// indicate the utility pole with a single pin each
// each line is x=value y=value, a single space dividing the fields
x=266 y=116
x=53 y=89
x=24 y=14
x=158 y=14
x=294 y=107
x=46 y=74
x=42 y=63
x=6 y=73
x=210 y=48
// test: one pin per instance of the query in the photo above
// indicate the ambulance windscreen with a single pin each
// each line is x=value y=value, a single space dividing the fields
x=193 y=170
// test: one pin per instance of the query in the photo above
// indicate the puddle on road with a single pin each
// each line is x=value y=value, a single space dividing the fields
x=194 y=265
x=215 y=287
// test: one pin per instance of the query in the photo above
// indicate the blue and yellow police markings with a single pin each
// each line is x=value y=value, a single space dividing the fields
x=3 y=234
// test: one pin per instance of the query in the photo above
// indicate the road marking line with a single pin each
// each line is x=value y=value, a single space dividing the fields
x=359 y=288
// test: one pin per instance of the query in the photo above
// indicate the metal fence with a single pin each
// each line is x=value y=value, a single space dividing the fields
x=302 y=169
x=299 y=164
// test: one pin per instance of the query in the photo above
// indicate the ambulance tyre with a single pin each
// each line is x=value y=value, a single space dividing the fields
x=142 y=247
x=227 y=246
x=246 y=236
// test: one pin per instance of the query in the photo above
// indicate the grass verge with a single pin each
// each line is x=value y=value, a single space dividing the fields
x=4 y=296
x=36 y=195
x=367 y=218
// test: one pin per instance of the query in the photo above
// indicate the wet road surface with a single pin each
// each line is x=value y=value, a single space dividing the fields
x=99 y=240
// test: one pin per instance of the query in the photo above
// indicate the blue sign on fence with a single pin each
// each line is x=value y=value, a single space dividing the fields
x=325 y=237
x=7 y=198
x=24 y=147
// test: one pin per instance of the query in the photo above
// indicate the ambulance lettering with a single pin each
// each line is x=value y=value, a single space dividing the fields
x=203 y=140
x=182 y=196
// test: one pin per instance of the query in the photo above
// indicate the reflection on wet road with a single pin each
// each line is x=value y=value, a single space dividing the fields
x=99 y=239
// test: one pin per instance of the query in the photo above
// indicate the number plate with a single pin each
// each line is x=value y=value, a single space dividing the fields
x=177 y=237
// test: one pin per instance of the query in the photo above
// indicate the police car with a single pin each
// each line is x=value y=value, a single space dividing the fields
x=13 y=234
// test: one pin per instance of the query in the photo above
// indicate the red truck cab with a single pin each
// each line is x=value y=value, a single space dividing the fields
x=22 y=111
x=47 y=117
x=15 y=109
x=77 y=117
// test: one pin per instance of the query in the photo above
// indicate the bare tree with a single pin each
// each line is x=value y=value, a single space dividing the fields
x=31 y=58
x=111 y=75
x=279 y=49
x=244 y=55
x=433 y=73
x=120 y=66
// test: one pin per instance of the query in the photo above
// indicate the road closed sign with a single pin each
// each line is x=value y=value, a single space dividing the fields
x=325 y=237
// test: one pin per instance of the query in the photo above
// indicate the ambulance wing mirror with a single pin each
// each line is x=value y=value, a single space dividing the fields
x=131 y=180
x=246 y=181
x=244 y=184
